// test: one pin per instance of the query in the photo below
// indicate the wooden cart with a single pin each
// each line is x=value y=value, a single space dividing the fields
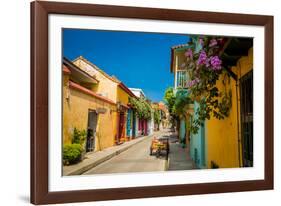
x=160 y=147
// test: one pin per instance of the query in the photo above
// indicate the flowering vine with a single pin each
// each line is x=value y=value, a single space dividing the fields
x=204 y=67
x=142 y=107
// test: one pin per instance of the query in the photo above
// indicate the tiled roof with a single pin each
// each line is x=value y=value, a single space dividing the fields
x=180 y=46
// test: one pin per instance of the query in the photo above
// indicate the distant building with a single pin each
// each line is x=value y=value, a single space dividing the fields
x=164 y=116
x=144 y=127
x=138 y=92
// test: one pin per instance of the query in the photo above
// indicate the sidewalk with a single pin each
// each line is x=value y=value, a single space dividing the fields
x=179 y=158
x=95 y=158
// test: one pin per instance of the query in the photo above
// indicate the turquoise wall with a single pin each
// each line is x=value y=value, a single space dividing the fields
x=197 y=145
x=197 y=141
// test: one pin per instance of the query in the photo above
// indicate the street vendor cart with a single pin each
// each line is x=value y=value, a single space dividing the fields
x=160 y=147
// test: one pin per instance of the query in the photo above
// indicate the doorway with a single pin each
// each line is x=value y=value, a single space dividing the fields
x=246 y=91
x=91 y=130
x=121 y=127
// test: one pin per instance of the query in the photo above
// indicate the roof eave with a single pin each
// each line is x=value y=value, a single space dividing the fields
x=126 y=89
x=73 y=67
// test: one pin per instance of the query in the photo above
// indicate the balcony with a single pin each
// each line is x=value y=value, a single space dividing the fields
x=181 y=79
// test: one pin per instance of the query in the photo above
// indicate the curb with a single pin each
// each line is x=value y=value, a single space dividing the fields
x=167 y=164
x=85 y=168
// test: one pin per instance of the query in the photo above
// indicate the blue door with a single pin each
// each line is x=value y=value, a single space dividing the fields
x=129 y=119
x=134 y=124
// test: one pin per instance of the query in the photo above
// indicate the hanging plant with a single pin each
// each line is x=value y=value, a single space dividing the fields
x=142 y=107
x=204 y=67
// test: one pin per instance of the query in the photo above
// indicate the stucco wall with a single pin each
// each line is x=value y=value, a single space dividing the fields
x=197 y=145
x=222 y=135
x=122 y=96
x=75 y=114
x=182 y=129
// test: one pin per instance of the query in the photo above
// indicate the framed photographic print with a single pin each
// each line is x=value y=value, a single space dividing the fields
x=131 y=102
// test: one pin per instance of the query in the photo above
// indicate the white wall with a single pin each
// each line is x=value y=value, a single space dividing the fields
x=14 y=109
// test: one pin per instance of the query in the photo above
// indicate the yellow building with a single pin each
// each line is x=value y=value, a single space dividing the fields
x=125 y=114
x=112 y=88
x=228 y=142
x=84 y=109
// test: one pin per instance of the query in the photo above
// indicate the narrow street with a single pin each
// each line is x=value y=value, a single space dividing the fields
x=135 y=159
x=111 y=118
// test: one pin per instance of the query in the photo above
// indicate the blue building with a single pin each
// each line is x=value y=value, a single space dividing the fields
x=195 y=142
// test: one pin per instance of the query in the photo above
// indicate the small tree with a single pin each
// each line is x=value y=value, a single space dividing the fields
x=169 y=99
x=72 y=153
x=182 y=99
x=157 y=116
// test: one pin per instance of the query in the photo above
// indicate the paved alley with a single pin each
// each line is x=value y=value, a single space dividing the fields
x=179 y=158
x=136 y=159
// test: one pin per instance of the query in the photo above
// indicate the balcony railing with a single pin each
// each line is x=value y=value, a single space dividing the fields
x=181 y=79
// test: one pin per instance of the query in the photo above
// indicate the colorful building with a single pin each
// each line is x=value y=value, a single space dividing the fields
x=164 y=116
x=85 y=109
x=143 y=126
x=96 y=103
x=112 y=88
x=234 y=135
x=195 y=142
x=229 y=142
x=125 y=114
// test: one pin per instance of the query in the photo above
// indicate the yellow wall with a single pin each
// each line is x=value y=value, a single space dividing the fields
x=75 y=114
x=222 y=135
x=108 y=87
x=122 y=96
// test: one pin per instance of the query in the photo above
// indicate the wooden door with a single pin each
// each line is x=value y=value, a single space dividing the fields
x=91 y=130
x=246 y=97
x=121 y=126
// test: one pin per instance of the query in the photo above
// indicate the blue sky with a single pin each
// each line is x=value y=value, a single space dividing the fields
x=139 y=60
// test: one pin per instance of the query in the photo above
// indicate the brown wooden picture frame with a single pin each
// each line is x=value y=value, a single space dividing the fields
x=39 y=102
